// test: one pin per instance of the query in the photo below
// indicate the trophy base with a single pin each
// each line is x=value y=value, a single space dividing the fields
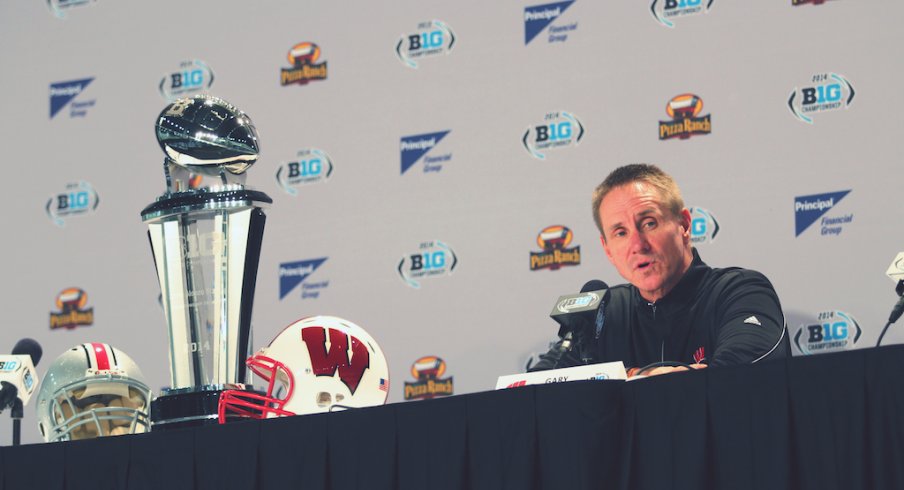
x=190 y=407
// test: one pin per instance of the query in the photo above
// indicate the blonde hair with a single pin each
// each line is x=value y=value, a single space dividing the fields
x=639 y=172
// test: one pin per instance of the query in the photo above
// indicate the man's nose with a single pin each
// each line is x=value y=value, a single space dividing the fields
x=639 y=242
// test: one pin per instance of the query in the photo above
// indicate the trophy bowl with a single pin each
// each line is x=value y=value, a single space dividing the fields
x=207 y=135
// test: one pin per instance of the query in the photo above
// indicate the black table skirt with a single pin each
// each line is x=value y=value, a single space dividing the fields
x=823 y=423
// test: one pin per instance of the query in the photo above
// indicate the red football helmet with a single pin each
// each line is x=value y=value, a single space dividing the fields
x=317 y=364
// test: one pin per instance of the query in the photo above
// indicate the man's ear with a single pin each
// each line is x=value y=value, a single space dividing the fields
x=685 y=221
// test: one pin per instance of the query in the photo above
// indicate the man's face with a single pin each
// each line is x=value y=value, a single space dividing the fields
x=648 y=246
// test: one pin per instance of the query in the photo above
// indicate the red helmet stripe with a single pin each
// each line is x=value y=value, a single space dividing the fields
x=100 y=353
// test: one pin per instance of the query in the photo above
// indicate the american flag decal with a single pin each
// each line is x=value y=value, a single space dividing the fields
x=384 y=385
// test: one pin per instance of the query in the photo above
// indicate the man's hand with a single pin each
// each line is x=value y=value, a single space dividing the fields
x=662 y=370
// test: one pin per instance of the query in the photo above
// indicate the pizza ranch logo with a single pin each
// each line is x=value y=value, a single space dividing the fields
x=554 y=241
x=71 y=302
x=303 y=58
x=428 y=372
x=684 y=110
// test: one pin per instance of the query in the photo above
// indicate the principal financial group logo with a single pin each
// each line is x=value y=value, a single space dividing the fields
x=64 y=93
x=413 y=148
x=190 y=78
x=432 y=38
x=77 y=199
x=686 y=121
x=59 y=7
x=72 y=313
x=303 y=58
x=432 y=259
x=831 y=331
x=428 y=372
x=554 y=241
x=704 y=226
x=291 y=274
x=310 y=166
x=666 y=10
x=538 y=17
x=825 y=92
x=558 y=130
x=809 y=209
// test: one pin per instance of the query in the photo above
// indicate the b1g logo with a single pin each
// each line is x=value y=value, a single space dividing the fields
x=665 y=10
x=428 y=372
x=72 y=313
x=303 y=58
x=831 y=332
x=704 y=226
x=554 y=240
x=538 y=17
x=809 y=209
x=558 y=130
x=413 y=148
x=64 y=93
x=325 y=362
x=311 y=166
x=58 y=7
x=291 y=274
x=191 y=77
x=77 y=199
x=825 y=92
x=432 y=38
x=684 y=110
x=432 y=259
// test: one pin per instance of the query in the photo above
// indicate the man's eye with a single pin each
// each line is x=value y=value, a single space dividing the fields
x=619 y=233
x=649 y=224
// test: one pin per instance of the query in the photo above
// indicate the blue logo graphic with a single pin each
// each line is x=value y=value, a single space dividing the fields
x=558 y=130
x=538 y=17
x=432 y=259
x=825 y=92
x=412 y=148
x=291 y=274
x=808 y=209
x=704 y=226
x=191 y=78
x=664 y=10
x=78 y=199
x=59 y=6
x=831 y=332
x=312 y=166
x=61 y=93
x=432 y=38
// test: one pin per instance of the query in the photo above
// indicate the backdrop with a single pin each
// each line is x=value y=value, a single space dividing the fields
x=431 y=163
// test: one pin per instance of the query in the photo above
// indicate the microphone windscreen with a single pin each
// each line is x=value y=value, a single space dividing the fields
x=594 y=285
x=29 y=347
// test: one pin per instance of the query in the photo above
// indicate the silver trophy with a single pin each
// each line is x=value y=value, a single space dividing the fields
x=206 y=243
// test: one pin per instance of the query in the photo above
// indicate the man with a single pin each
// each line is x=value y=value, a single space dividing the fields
x=675 y=307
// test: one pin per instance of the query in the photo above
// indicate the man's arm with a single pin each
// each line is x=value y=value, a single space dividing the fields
x=751 y=324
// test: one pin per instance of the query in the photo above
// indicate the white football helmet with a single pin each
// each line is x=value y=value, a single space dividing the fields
x=92 y=390
x=317 y=364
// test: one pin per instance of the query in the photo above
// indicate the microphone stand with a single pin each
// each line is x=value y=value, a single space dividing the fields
x=16 y=414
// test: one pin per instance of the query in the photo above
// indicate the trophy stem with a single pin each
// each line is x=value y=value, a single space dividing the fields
x=191 y=279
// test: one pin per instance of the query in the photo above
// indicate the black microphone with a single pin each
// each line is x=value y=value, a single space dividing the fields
x=896 y=311
x=19 y=381
x=581 y=317
x=12 y=387
x=29 y=347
